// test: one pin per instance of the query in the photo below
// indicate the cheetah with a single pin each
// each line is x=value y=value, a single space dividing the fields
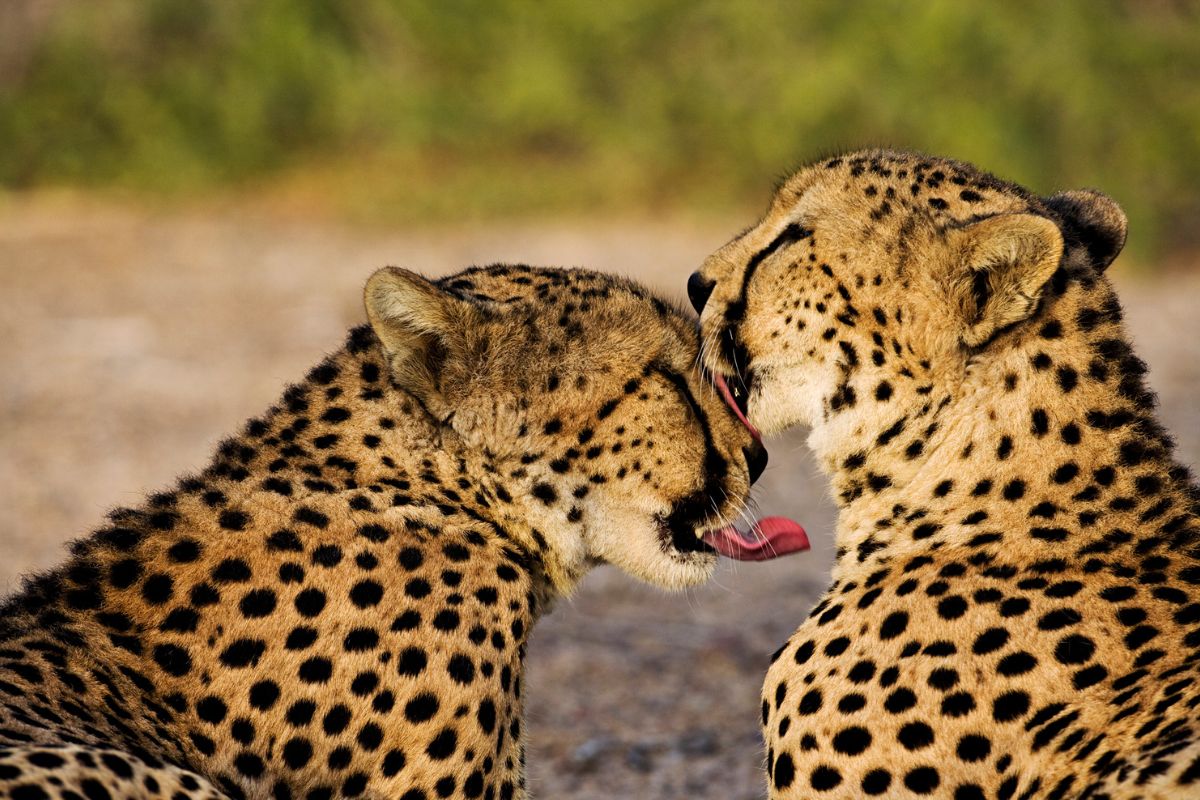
x=1014 y=609
x=339 y=604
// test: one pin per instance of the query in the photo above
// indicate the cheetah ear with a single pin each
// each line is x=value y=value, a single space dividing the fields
x=421 y=327
x=1007 y=259
x=1094 y=220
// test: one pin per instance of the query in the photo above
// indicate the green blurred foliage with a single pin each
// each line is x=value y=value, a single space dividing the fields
x=400 y=109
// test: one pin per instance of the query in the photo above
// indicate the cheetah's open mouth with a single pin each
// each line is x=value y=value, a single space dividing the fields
x=684 y=531
x=737 y=398
x=768 y=538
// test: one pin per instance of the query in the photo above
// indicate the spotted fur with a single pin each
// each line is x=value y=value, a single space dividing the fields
x=1014 y=610
x=339 y=604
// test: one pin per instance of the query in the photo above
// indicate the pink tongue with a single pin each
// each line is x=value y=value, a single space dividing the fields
x=723 y=388
x=771 y=537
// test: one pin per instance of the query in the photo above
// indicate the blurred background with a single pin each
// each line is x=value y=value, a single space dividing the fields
x=192 y=193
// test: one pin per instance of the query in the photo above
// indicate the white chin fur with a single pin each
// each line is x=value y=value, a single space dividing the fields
x=781 y=399
x=628 y=539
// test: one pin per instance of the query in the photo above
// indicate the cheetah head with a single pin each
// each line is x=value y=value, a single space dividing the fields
x=582 y=393
x=877 y=276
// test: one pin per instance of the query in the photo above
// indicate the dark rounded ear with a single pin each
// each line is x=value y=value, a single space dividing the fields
x=421 y=327
x=1094 y=220
x=1005 y=262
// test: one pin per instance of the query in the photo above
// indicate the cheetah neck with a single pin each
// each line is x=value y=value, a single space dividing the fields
x=340 y=445
x=1050 y=450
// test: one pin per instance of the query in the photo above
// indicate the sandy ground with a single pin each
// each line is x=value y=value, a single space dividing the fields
x=129 y=343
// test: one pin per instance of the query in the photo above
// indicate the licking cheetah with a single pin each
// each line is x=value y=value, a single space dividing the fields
x=1015 y=606
x=338 y=605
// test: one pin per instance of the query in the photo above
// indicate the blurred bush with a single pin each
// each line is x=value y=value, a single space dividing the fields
x=399 y=109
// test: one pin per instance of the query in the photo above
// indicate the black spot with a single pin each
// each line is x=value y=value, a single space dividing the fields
x=257 y=603
x=310 y=602
x=231 y=570
x=1059 y=618
x=973 y=747
x=876 y=782
x=1052 y=329
x=297 y=752
x=852 y=741
x=861 y=672
x=173 y=659
x=232 y=520
x=370 y=736
x=1049 y=534
x=1089 y=676
x=335 y=414
x=360 y=639
x=1017 y=663
x=366 y=594
x=411 y=558
x=1074 y=649
x=310 y=517
x=264 y=694
x=364 y=684
x=456 y=552
x=417 y=588
x=915 y=735
x=122 y=575
x=990 y=640
x=899 y=701
x=393 y=762
x=443 y=745
x=784 y=772
x=243 y=653
x=1065 y=473
x=1010 y=706
x=284 y=541
x=922 y=780
x=810 y=703
x=958 y=704
x=327 y=555
x=894 y=625
x=203 y=595
x=248 y=764
x=825 y=778
x=158 y=589
x=943 y=678
x=336 y=720
x=185 y=551
x=315 y=670
x=300 y=713
x=300 y=638
x=952 y=607
x=411 y=661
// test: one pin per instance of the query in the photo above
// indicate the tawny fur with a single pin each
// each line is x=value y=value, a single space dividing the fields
x=339 y=604
x=1014 y=607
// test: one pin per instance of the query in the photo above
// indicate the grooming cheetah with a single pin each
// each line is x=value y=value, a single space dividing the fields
x=339 y=604
x=1015 y=605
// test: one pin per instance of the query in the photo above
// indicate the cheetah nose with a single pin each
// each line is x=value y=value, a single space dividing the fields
x=699 y=289
x=756 y=460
